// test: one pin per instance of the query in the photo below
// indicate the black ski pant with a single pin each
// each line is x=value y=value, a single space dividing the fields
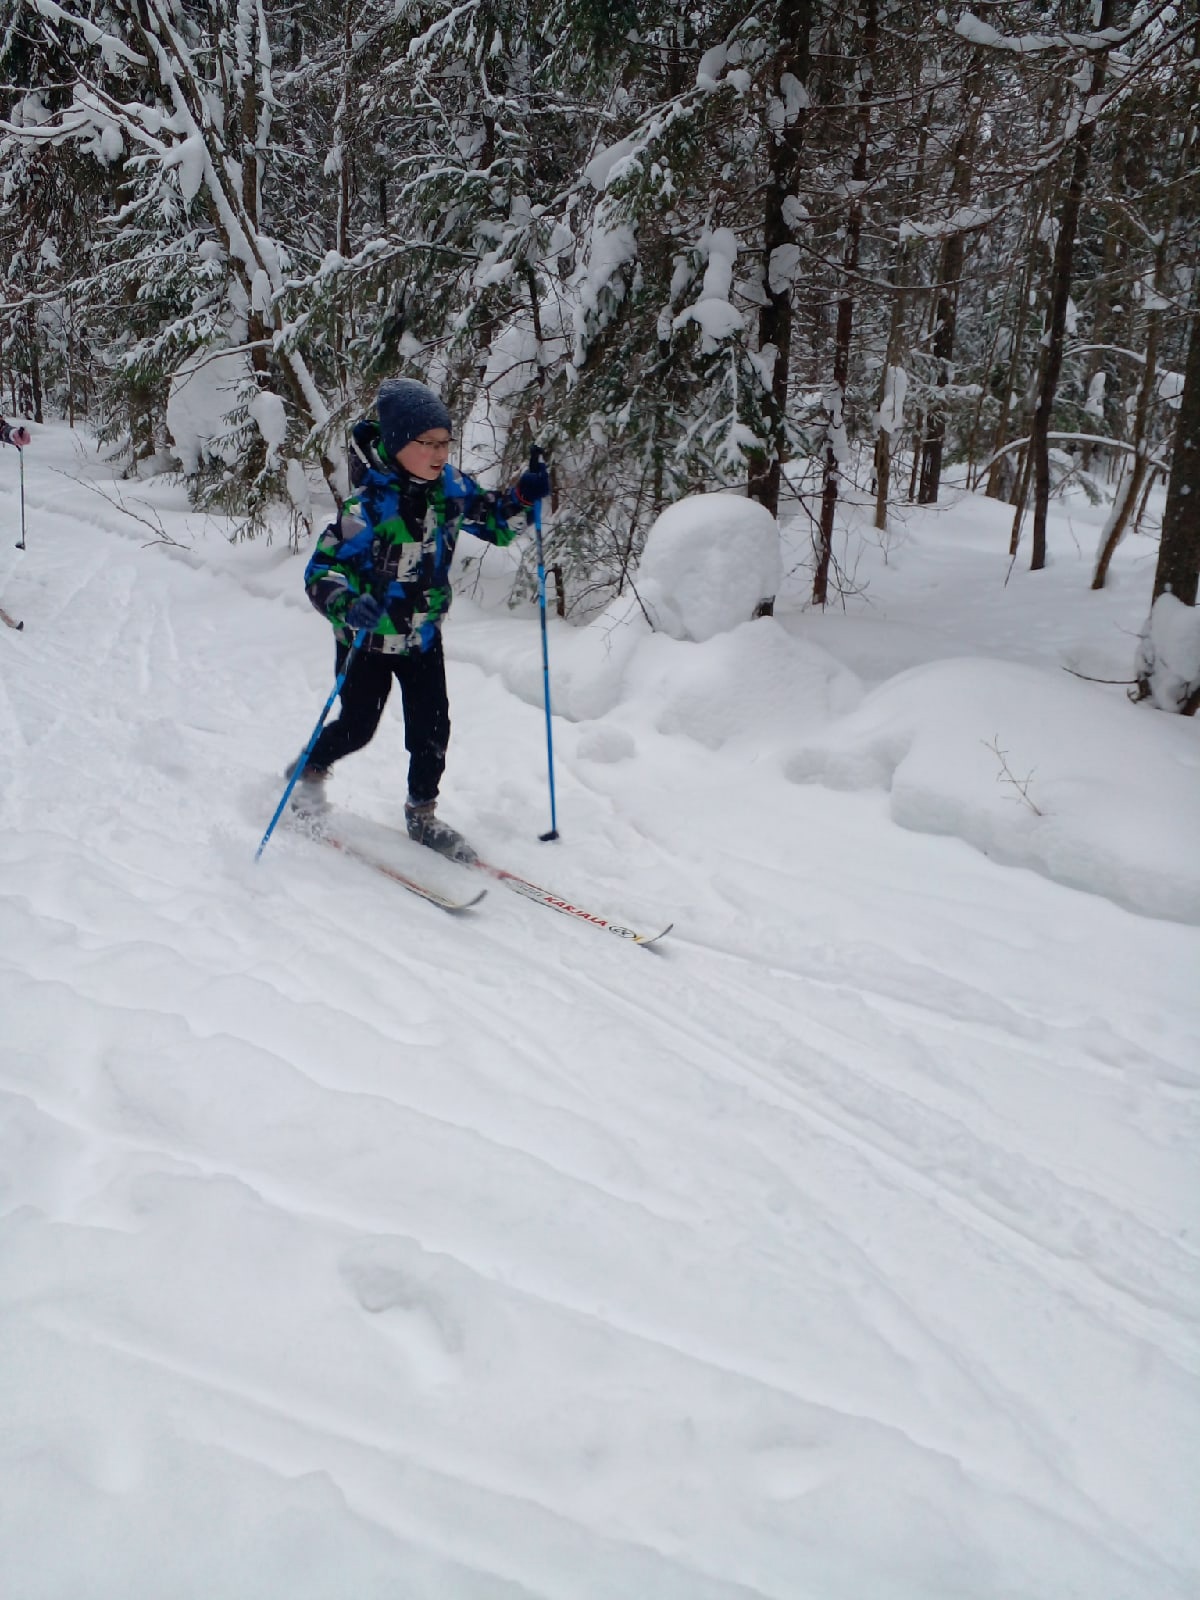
x=422 y=679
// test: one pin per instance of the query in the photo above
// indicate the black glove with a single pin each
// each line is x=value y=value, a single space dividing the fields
x=534 y=483
x=364 y=612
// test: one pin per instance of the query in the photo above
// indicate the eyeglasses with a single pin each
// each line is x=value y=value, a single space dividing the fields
x=433 y=444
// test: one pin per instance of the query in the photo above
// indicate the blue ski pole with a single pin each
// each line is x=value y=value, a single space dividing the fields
x=541 y=572
x=303 y=761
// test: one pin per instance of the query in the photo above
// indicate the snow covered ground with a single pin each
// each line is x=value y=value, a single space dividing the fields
x=844 y=1248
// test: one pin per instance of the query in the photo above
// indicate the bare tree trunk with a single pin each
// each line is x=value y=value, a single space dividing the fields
x=1001 y=485
x=777 y=315
x=895 y=344
x=1135 y=471
x=997 y=477
x=1103 y=293
x=836 y=397
x=1178 y=570
x=69 y=329
x=1060 y=293
x=883 y=435
x=1155 y=472
x=35 y=367
x=915 y=474
x=1134 y=478
x=949 y=281
x=1020 y=495
x=934 y=443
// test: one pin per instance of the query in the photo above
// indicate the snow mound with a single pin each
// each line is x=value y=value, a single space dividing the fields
x=1034 y=769
x=757 y=682
x=587 y=665
x=606 y=745
x=709 y=560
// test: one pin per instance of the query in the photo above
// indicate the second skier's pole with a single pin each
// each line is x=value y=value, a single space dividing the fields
x=541 y=572
x=21 y=457
x=303 y=761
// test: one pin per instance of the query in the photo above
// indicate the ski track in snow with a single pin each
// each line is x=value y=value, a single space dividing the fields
x=834 y=1249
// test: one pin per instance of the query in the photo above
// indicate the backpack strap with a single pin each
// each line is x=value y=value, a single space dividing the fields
x=365 y=450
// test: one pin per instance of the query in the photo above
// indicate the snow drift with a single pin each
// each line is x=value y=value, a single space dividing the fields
x=1033 y=768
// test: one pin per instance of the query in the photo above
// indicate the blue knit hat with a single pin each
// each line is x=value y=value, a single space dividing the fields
x=407 y=409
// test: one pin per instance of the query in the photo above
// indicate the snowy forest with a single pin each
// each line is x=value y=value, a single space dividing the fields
x=794 y=250
x=762 y=1164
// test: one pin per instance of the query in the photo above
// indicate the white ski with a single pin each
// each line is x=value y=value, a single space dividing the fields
x=545 y=897
x=413 y=885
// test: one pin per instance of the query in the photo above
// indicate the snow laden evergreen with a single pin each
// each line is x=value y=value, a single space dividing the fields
x=803 y=251
x=174 y=108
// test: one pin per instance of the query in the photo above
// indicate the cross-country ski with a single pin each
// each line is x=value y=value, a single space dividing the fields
x=394 y=855
x=414 y=884
x=569 y=908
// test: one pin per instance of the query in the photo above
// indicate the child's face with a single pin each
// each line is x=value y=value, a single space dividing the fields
x=425 y=457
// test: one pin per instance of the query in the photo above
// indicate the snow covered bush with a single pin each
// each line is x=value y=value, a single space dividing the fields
x=709 y=562
x=1169 y=656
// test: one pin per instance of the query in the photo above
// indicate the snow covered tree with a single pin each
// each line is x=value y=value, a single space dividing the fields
x=1168 y=666
x=181 y=97
x=661 y=391
x=787 y=249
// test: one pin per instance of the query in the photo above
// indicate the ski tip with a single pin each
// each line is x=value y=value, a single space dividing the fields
x=652 y=938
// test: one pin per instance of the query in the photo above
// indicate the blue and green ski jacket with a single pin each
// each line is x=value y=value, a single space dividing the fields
x=394 y=538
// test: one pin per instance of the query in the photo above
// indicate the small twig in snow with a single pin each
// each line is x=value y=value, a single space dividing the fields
x=1005 y=775
x=1088 y=679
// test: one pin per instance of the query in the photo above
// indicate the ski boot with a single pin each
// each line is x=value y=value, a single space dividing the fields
x=424 y=828
x=308 y=797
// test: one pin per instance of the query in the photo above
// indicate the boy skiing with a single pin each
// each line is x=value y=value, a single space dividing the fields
x=384 y=567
